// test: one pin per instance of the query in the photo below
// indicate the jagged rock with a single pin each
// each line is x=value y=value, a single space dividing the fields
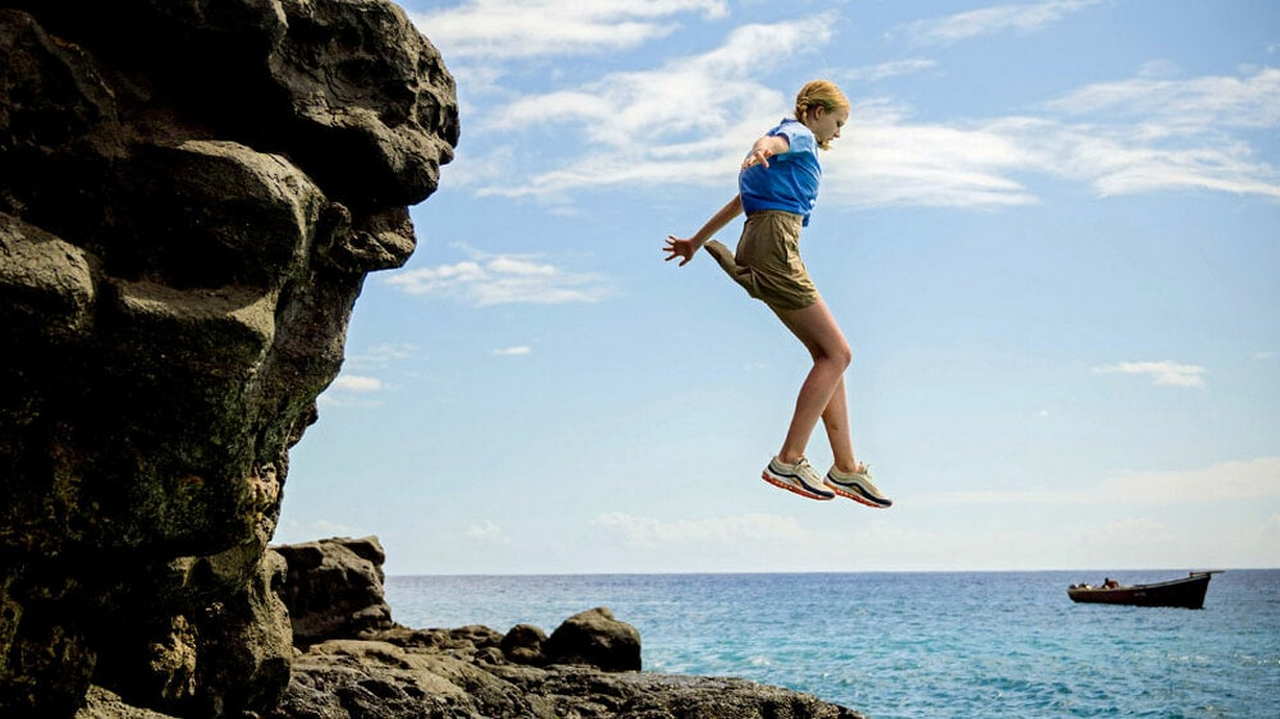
x=229 y=656
x=595 y=637
x=334 y=588
x=104 y=704
x=368 y=679
x=191 y=194
x=523 y=644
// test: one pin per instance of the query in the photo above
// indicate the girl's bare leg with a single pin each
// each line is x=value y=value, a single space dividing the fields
x=836 y=420
x=816 y=328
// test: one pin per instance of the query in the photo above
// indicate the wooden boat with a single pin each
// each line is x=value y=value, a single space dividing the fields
x=1186 y=592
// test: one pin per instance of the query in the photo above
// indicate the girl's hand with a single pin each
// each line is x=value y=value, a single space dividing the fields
x=758 y=155
x=764 y=148
x=685 y=248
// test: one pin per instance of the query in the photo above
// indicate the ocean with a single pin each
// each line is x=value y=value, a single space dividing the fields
x=912 y=645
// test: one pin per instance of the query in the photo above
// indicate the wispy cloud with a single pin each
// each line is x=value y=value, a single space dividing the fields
x=1183 y=105
x=381 y=355
x=1144 y=134
x=292 y=531
x=1166 y=373
x=487 y=532
x=637 y=125
x=624 y=108
x=516 y=351
x=510 y=29
x=1265 y=355
x=357 y=383
x=648 y=532
x=1022 y=18
x=886 y=159
x=494 y=279
x=875 y=73
x=350 y=390
x=1236 y=480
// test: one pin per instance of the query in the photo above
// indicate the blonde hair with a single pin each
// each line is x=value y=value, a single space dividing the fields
x=820 y=93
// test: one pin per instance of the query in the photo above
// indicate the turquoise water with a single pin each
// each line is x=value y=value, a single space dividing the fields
x=992 y=644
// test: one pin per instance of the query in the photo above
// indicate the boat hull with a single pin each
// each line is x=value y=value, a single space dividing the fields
x=1188 y=593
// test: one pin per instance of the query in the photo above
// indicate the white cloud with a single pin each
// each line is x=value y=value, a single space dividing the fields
x=1023 y=18
x=769 y=542
x=875 y=73
x=647 y=532
x=487 y=532
x=625 y=108
x=1191 y=105
x=511 y=29
x=1235 y=480
x=293 y=531
x=1264 y=355
x=351 y=391
x=1165 y=373
x=882 y=159
x=513 y=351
x=381 y=355
x=1144 y=134
x=1249 y=479
x=357 y=383
x=502 y=279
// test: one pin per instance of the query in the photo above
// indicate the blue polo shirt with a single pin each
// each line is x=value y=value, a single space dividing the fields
x=790 y=182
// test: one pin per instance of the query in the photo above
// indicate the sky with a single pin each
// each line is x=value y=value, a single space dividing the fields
x=1049 y=232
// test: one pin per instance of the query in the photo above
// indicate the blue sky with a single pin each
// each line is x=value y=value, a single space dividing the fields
x=1049 y=232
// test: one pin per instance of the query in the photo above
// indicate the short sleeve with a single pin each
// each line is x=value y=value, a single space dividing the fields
x=799 y=138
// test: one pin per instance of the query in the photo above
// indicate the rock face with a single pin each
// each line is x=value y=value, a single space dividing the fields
x=474 y=671
x=191 y=194
x=334 y=588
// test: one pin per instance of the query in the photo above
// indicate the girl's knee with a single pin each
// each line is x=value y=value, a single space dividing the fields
x=844 y=355
x=841 y=356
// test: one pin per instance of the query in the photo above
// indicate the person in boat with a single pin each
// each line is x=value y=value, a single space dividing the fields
x=1110 y=583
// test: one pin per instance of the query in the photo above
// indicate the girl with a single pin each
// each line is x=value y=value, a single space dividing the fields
x=777 y=187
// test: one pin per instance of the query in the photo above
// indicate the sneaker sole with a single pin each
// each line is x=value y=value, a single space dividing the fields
x=855 y=497
x=792 y=488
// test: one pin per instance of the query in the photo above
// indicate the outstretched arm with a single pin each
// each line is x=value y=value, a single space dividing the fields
x=766 y=147
x=686 y=248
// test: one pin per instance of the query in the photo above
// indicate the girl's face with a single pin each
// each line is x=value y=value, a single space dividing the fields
x=825 y=124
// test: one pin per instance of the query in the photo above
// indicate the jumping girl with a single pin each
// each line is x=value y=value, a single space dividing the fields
x=777 y=187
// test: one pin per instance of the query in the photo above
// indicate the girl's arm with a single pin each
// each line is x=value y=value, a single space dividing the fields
x=766 y=147
x=686 y=248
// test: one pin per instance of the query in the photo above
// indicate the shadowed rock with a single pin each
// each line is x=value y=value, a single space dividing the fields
x=595 y=637
x=334 y=588
x=523 y=644
x=191 y=194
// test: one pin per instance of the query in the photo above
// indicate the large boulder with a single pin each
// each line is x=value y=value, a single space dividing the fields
x=191 y=195
x=595 y=637
x=334 y=588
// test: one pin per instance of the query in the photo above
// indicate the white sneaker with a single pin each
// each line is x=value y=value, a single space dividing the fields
x=799 y=478
x=858 y=487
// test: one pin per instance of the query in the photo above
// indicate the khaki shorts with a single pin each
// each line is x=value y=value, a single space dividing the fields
x=767 y=263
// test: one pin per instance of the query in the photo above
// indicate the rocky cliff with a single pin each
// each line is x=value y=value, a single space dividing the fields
x=191 y=195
